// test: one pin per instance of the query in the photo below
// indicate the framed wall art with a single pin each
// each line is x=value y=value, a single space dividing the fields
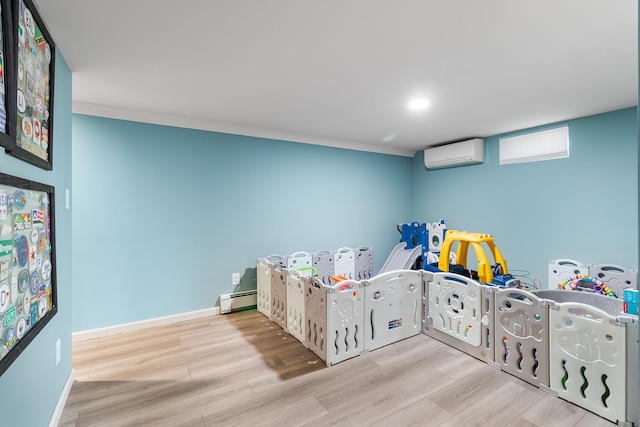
x=28 y=298
x=34 y=59
x=7 y=87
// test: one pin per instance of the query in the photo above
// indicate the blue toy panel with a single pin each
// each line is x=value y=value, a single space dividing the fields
x=393 y=308
x=521 y=335
x=412 y=234
x=323 y=263
x=363 y=263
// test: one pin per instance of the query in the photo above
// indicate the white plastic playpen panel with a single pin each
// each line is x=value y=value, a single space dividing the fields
x=392 y=308
x=460 y=313
x=587 y=354
x=345 y=321
x=301 y=261
x=522 y=336
x=345 y=263
x=263 y=286
x=315 y=314
x=363 y=263
x=279 y=295
x=323 y=263
x=563 y=269
x=296 y=305
x=615 y=277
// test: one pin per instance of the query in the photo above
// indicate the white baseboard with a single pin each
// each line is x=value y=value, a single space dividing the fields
x=62 y=401
x=143 y=324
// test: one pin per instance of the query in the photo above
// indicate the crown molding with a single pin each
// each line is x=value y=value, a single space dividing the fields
x=182 y=122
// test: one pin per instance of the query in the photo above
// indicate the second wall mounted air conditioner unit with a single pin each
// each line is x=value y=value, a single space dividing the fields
x=466 y=152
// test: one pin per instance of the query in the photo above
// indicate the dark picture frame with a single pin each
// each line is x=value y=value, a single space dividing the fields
x=7 y=75
x=28 y=284
x=33 y=81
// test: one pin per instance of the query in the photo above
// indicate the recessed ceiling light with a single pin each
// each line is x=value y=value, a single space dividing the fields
x=389 y=137
x=418 y=104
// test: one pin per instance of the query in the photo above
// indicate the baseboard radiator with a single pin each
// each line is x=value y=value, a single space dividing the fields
x=238 y=301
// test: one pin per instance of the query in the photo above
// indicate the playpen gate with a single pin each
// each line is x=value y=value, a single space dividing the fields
x=460 y=313
x=522 y=336
x=587 y=353
x=345 y=321
x=392 y=307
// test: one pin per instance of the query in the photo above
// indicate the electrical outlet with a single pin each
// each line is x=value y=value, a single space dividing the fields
x=58 y=351
x=235 y=279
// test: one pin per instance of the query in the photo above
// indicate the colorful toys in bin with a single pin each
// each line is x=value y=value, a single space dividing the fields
x=586 y=283
x=607 y=279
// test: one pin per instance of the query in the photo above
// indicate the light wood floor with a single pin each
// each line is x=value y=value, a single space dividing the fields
x=241 y=369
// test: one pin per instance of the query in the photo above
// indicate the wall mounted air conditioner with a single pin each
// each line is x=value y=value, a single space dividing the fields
x=466 y=152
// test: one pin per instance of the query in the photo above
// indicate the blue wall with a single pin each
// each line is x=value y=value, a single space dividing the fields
x=163 y=216
x=584 y=207
x=31 y=387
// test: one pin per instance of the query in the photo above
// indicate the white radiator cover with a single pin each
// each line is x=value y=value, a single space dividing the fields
x=237 y=301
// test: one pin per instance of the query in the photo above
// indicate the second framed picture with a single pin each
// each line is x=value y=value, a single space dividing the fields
x=7 y=77
x=34 y=80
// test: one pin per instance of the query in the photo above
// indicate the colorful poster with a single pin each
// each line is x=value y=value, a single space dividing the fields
x=34 y=86
x=27 y=268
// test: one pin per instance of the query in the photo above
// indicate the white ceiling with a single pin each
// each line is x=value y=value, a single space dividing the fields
x=340 y=73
